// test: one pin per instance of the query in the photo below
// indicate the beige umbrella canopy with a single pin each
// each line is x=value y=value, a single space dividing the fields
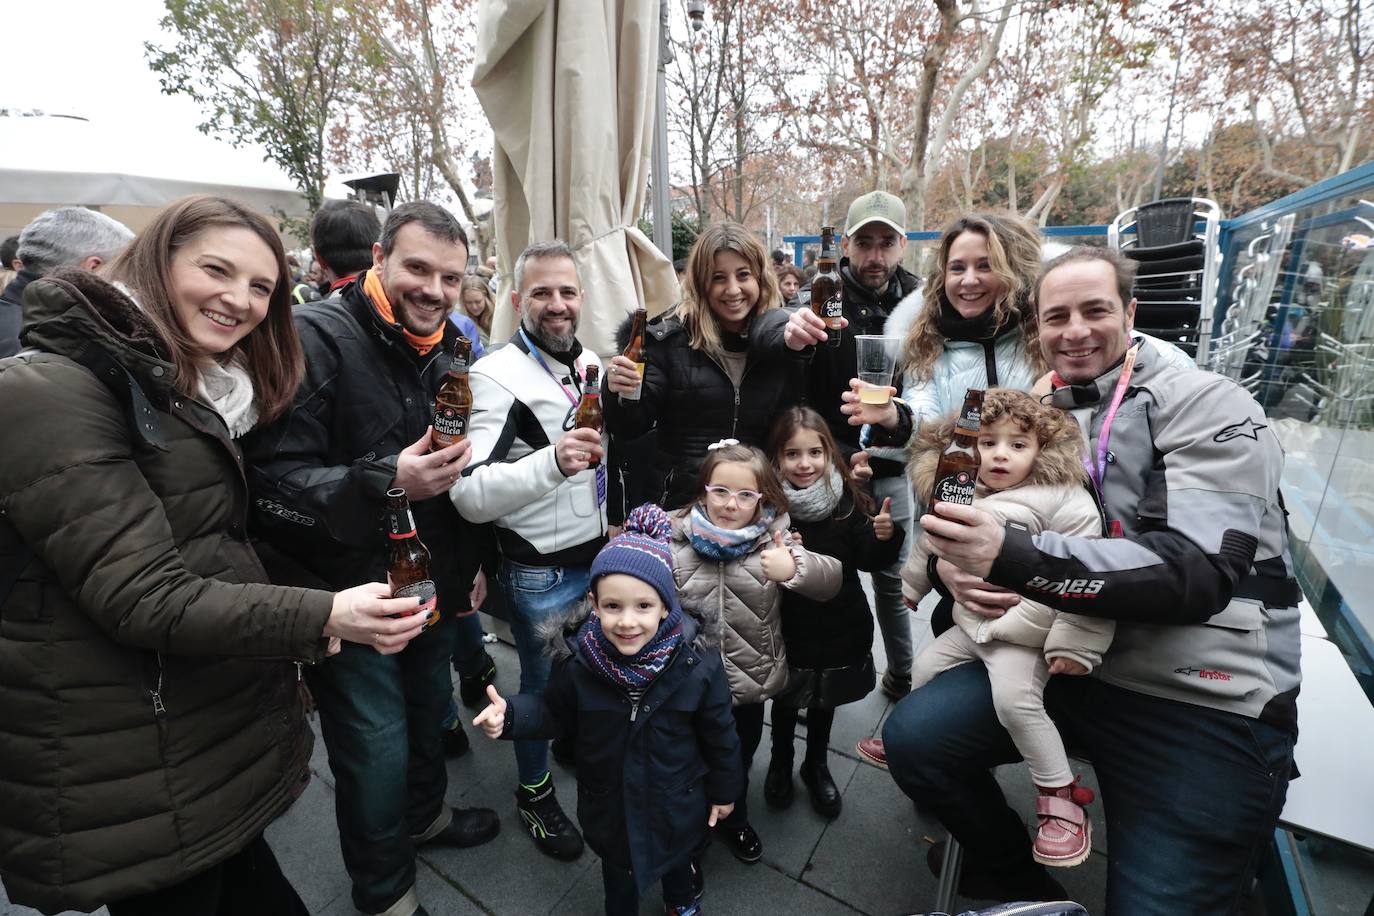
x=569 y=90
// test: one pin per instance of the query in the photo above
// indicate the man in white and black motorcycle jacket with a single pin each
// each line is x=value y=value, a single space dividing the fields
x=1191 y=718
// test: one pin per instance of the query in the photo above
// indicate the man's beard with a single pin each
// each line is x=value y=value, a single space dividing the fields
x=411 y=320
x=867 y=280
x=549 y=342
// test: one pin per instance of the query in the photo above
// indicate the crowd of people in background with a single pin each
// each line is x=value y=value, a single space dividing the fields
x=193 y=559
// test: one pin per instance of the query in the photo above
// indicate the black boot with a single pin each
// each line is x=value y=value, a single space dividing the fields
x=473 y=690
x=777 y=785
x=825 y=795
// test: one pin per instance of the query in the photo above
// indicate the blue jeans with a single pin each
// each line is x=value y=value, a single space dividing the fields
x=891 y=612
x=380 y=716
x=1190 y=794
x=533 y=595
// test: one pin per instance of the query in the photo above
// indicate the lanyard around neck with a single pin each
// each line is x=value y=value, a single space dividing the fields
x=1097 y=470
x=571 y=395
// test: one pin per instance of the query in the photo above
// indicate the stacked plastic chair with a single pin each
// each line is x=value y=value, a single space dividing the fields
x=1176 y=285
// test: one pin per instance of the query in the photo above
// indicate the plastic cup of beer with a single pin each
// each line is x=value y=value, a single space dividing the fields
x=877 y=361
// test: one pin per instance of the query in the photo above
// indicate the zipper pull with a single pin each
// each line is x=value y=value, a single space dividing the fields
x=634 y=710
x=158 y=708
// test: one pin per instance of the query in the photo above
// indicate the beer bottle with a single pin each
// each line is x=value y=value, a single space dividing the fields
x=827 y=291
x=453 y=402
x=407 y=558
x=957 y=473
x=589 y=415
x=635 y=351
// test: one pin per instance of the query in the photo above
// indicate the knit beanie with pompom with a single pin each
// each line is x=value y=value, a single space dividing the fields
x=641 y=550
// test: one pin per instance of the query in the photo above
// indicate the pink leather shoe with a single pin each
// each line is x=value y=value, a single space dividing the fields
x=1064 y=837
x=871 y=751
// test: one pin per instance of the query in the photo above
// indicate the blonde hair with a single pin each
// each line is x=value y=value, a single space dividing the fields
x=472 y=283
x=1014 y=255
x=693 y=311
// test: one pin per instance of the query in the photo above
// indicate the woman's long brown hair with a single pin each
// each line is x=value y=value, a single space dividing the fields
x=271 y=352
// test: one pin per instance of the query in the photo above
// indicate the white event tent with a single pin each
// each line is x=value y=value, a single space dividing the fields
x=124 y=170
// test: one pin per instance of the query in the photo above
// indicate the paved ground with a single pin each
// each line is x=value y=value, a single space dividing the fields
x=870 y=860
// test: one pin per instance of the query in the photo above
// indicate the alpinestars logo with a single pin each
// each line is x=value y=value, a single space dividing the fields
x=1068 y=588
x=275 y=508
x=1206 y=674
x=1247 y=427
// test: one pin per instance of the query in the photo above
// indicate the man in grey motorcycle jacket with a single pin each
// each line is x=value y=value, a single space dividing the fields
x=1191 y=718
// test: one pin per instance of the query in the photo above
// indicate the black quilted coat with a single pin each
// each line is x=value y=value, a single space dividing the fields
x=689 y=397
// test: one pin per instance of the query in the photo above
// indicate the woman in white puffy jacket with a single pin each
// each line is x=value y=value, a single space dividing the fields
x=971 y=325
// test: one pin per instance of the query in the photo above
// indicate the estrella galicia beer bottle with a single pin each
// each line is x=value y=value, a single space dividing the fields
x=827 y=291
x=453 y=402
x=957 y=473
x=407 y=560
x=589 y=415
x=634 y=351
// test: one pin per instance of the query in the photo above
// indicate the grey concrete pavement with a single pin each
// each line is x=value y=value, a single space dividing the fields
x=870 y=860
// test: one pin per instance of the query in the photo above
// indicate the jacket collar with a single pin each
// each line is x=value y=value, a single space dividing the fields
x=73 y=312
x=567 y=359
x=1098 y=390
x=366 y=315
x=901 y=285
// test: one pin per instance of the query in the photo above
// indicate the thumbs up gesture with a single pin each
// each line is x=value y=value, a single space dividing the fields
x=778 y=563
x=882 y=522
x=492 y=720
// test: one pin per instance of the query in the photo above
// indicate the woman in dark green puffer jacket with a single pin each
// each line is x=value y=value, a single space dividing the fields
x=153 y=722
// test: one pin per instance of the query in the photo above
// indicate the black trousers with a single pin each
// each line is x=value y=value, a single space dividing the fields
x=749 y=727
x=249 y=882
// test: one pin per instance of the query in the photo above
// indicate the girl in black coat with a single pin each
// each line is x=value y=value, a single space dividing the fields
x=720 y=365
x=829 y=644
x=639 y=683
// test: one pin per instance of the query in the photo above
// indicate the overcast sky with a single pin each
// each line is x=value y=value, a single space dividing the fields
x=85 y=57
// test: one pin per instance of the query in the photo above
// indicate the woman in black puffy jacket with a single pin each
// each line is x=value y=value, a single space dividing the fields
x=716 y=366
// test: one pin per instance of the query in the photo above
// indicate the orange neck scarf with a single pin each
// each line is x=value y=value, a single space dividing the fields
x=372 y=286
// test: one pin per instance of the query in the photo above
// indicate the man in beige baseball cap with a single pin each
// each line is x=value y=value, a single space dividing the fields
x=875 y=239
x=873 y=282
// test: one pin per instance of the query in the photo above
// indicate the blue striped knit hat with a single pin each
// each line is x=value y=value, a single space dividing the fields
x=642 y=550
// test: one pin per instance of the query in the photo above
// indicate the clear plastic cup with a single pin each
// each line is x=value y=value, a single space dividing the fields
x=877 y=356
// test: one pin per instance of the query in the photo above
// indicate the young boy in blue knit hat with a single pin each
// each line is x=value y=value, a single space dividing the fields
x=638 y=681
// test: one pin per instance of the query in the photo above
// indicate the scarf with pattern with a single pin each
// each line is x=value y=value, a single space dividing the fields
x=634 y=672
x=724 y=544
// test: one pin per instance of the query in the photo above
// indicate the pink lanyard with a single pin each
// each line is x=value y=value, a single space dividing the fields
x=1098 y=470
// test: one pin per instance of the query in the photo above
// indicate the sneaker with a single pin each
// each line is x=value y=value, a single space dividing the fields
x=894 y=686
x=687 y=909
x=743 y=842
x=1064 y=837
x=976 y=883
x=777 y=785
x=871 y=750
x=455 y=741
x=473 y=690
x=553 y=833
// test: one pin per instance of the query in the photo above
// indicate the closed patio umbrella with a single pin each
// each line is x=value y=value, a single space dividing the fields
x=568 y=86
